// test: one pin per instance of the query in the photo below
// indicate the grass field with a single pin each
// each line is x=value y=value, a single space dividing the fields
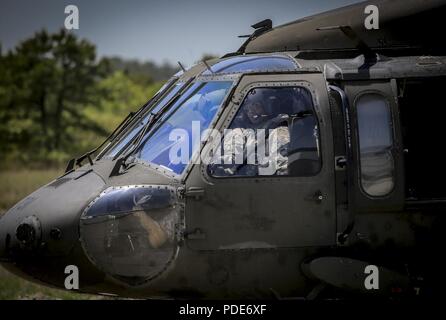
x=14 y=186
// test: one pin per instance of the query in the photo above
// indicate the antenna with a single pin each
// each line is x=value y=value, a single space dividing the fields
x=181 y=66
x=259 y=28
x=263 y=25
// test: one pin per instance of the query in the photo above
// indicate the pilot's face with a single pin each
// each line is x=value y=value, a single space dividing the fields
x=255 y=111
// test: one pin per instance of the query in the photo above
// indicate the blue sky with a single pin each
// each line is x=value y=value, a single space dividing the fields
x=157 y=30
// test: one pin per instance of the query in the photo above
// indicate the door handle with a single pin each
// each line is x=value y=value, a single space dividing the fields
x=340 y=162
x=197 y=234
x=195 y=192
x=316 y=197
x=191 y=192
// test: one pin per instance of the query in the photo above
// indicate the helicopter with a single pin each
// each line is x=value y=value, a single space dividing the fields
x=352 y=205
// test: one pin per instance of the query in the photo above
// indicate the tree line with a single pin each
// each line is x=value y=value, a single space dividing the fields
x=57 y=99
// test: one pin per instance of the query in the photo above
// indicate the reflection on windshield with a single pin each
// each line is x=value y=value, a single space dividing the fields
x=197 y=107
x=132 y=133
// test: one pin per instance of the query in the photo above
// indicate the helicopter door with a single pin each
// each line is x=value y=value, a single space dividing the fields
x=269 y=181
x=378 y=172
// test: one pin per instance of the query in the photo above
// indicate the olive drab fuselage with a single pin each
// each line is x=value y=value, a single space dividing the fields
x=349 y=201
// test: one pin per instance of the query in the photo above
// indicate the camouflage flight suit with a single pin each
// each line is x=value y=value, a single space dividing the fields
x=239 y=153
x=277 y=155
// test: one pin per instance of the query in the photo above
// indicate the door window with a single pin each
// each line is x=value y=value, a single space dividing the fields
x=274 y=133
x=375 y=144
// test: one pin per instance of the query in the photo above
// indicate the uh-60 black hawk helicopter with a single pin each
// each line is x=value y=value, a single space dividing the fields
x=356 y=207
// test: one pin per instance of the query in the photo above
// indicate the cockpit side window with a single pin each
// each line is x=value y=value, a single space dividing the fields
x=375 y=132
x=253 y=63
x=274 y=133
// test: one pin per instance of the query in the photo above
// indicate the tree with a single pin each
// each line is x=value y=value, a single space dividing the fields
x=46 y=82
x=58 y=100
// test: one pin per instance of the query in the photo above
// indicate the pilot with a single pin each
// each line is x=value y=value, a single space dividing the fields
x=205 y=109
x=240 y=144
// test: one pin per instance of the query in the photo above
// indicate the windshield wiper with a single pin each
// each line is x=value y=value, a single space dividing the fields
x=119 y=129
x=145 y=106
x=153 y=118
x=73 y=162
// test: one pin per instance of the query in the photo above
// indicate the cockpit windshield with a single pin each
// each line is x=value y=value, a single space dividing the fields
x=172 y=141
x=125 y=140
x=237 y=64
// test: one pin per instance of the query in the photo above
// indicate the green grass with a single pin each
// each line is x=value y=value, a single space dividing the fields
x=12 y=288
x=14 y=186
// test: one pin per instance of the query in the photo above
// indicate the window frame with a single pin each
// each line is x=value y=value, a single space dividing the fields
x=359 y=201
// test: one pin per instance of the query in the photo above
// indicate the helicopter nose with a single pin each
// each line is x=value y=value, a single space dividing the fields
x=27 y=234
x=27 y=231
x=45 y=225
